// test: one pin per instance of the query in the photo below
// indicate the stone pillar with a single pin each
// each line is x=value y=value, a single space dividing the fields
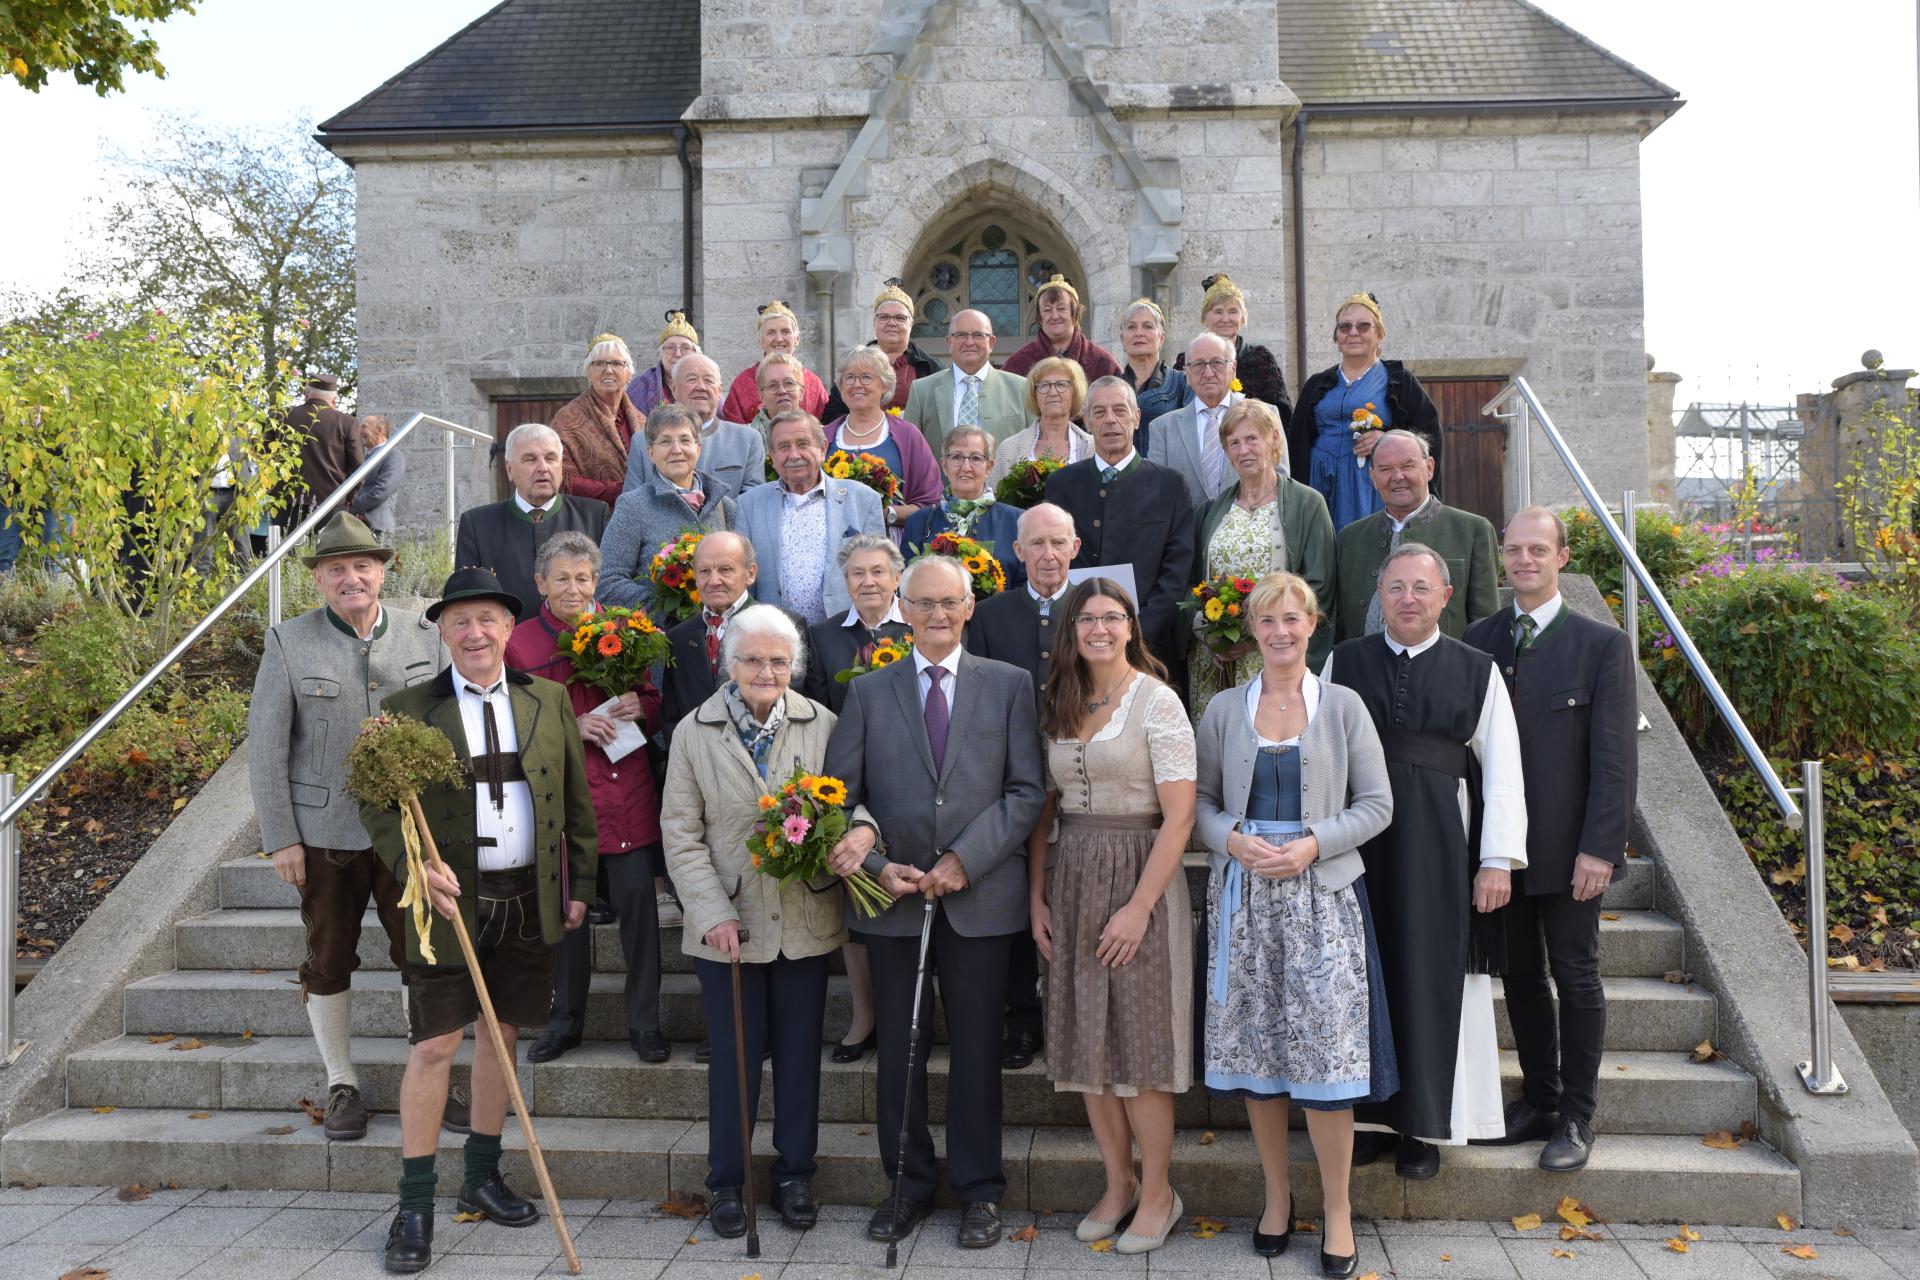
x=1837 y=425
x=1660 y=445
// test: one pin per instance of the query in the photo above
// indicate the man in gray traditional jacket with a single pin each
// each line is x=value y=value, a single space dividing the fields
x=320 y=675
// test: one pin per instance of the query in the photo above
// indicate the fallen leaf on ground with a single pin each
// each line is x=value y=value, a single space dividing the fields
x=1575 y=1233
x=751 y=1275
x=1621 y=1067
x=1446 y=1257
x=101 y=1111
x=315 y=1112
x=693 y=1239
x=865 y=1131
x=1843 y=1231
x=1749 y=1130
x=86 y=1273
x=1609 y=915
x=1306 y=1226
x=1721 y=1141
x=1688 y=1233
x=1841 y=934
x=1207 y=1139
x=259 y=971
x=1101 y=1246
x=1674 y=976
x=199 y=1115
x=1573 y=1212
x=1799 y=1251
x=1025 y=1234
x=188 y=1046
x=278 y=1130
x=1705 y=1052
x=1786 y=1221
x=133 y=1194
x=1205 y=1228
x=1371 y=1275
x=1527 y=1222
x=179 y=803
x=247 y=1034
x=476 y=1216
x=1565 y=1253
x=682 y=1204
x=1677 y=1245
x=160 y=1039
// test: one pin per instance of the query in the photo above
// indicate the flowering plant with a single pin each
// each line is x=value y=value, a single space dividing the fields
x=798 y=826
x=1365 y=420
x=613 y=649
x=671 y=573
x=896 y=411
x=1025 y=484
x=868 y=469
x=983 y=570
x=883 y=652
x=1218 y=606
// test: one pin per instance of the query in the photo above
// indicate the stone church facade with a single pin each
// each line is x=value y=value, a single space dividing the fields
x=558 y=170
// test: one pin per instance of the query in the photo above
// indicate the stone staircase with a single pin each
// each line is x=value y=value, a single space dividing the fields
x=144 y=1109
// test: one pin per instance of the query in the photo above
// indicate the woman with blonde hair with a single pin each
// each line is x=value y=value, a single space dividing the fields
x=1158 y=389
x=597 y=427
x=1224 y=311
x=1056 y=392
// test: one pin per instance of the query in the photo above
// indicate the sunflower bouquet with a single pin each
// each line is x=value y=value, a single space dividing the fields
x=613 y=650
x=1218 y=606
x=1025 y=484
x=983 y=570
x=798 y=826
x=869 y=469
x=671 y=572
x=881 y=653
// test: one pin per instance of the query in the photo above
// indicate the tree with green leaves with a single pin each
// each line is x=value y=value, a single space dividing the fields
x=91 y=39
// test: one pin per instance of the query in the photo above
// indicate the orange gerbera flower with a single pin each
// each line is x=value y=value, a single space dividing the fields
x=609 y=646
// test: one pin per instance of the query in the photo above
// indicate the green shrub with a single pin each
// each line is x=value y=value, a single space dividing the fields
x=1669 y=549
x=83 y=657
x=179 y=739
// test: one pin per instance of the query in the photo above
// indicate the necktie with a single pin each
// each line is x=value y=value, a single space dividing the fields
x=937 y=718
x=1524 y=628
x=492 y=771
x=536 y=515
x=968 y=415
x=713 y=638
x=1109 y=474
x=1213 y=458
x=694 y=498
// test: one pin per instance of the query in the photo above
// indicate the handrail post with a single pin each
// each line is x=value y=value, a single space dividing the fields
x=274 y=603
x=9 y=917
x=1629 y=586
x=1818 y=1073
x=453 y=512
x=1523 y=453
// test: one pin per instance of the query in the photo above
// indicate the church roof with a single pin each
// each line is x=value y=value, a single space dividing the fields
x=1442 y=51
x=530 y=66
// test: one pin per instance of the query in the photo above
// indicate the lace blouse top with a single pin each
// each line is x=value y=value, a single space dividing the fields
x=1148 y=741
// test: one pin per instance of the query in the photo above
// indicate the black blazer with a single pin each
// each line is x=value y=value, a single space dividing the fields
x=498 y=537
x=1407 y=401
x=1008 y=628
x=1573 y=696
x=688 y=681
x=1145 y=519
x=832 y=647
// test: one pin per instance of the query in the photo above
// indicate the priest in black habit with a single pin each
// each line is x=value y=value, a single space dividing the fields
x=1437 y=877
x=503 y=536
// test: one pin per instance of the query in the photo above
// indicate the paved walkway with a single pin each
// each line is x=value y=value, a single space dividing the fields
x=47 y=1232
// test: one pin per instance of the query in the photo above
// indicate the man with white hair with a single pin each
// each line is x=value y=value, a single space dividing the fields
x=503 y=536
x=1188 y=438
x=731 y=452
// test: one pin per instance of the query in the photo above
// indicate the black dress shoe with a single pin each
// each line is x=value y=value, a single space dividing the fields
x=409 y=1242
x=844 y=1052
x=1369 y=1145
x=798 y=1209
x=551 y=1045
x=600 y=913
x=703 y=1052
x=651 y=1046
x=500 y=1202
x=1017 y=1051
x=1525 y=1123
x=1273 y=1246
x=979 y=1225
x=726 y=1215
x=1416 y=1161
x=1569 y=1147
x=887 y=1224
x=1332 y=1264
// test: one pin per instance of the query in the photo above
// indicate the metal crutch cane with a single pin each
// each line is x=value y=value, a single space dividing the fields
x=746 y=1112
x=913 y=1043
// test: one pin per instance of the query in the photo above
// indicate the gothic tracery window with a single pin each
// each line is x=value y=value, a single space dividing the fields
x=992 y=264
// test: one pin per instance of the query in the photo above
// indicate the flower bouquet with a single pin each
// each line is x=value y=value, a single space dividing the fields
x=985 y=572
x=868 y=469
x=613 y=650
x=1364 y=420
x=393 y=760
x=1025 y=484
x=1218 y=605
x=797 y=829
x=881 y=653
x=671 y=573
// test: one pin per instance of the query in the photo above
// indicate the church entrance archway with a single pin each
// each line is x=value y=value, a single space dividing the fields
x=994 y=261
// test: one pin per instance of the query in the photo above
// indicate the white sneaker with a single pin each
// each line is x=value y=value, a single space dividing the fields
x=671 y=916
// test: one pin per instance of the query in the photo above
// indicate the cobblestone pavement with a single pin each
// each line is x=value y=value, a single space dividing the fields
x=47 y=1232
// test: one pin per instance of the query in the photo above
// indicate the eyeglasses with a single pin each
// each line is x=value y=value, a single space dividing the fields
x=1419 y=590
x=1108 y=620
x=779 y=666
x=1213 y=364
x=968 y=459
x=860 y=379
x=1354 y=326
x=1052 y=388
x=784 y=384
x=608 y=364
x=969 y=335
x=888 y=318
x=949 y=604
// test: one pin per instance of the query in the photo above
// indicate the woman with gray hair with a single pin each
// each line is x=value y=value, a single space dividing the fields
x=738 y=748
x=597 y=427
x=677 y=496
x=1143 y=336
x=866 y=380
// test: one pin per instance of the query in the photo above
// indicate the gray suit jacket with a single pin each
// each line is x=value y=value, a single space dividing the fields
x=315 y=685
x=851 y=508
x=374 y=501
x=1173 y=440
x=981 y=805
x=1003 y=405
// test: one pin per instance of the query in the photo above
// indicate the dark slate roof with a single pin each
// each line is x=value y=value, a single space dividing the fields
x=527 y=66
x=1350 y=51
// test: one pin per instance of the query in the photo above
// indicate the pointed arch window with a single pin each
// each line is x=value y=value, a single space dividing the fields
x=992 y=264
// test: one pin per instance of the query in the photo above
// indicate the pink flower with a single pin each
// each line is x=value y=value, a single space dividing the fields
x=94 y=336
x=796 y=829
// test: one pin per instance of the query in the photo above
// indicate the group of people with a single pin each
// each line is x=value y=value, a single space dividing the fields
x=1402 y=787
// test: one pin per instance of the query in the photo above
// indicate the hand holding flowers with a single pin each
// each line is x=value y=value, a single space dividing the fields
x=798 y=828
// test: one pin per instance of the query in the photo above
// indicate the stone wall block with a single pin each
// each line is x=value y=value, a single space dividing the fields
x=1600 y=186
x=1352 y=155
x=459 y=175
x=1613 y=151
x=1527 y=188
x=1402 y=154
x=1551 y=151
x=1477 y=153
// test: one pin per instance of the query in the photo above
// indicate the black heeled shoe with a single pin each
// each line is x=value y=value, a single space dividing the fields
x=1332 y=1264
x=1273 y=1246
x=844 y=1052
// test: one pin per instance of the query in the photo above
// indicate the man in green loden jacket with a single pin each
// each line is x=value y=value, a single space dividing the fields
x=519 y=840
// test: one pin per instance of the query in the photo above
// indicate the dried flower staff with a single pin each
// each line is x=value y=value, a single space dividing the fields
x=392 y=759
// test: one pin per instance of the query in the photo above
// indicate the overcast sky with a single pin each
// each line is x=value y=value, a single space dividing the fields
x=1782 y=204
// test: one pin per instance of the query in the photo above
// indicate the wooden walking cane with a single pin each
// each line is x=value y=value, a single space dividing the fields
x=746 y=1113
x=500 y=1048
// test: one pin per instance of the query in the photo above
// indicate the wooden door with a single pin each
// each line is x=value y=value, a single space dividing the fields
x=508 y=414
x=1473 y=452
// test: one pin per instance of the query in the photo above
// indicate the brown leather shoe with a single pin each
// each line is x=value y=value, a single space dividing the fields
x=346 y=1119
x=458 y=1116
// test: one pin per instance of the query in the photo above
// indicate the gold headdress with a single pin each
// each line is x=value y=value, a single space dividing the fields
x=678 y=327
x=768 y=310
x=893 y=289
x=1217 y=288
x=1371 y=303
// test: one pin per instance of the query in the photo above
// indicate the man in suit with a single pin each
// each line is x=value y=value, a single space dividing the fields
x=966 y=455
x=329 y=441
x=1402 y=471
x=502 y=537
x=871 y=566
x=376 y=499
x=944 y=751
x=724 y=569
x=1573 y=695
x=502 y=836
x=733 y=453
x=797 y=525
x=970 y=392
x=1187 y=439
x=1130 y=511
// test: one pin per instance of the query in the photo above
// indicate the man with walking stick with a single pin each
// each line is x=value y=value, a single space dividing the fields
x=944 y=753
x=502 y=838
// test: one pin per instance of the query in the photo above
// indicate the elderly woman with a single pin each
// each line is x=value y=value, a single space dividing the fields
x=597 y=426
x=782 y=380
x=865 y=380
x=655 y=386
x=1223 y=311
x=776 y=329
x=968 y=509
x=739 y=746
x=1292 y=782
x=1056 y=392
x=1264 y=522
x=675 y=496
x=893 y=334
x=1143 y=335
x=1060 y=312
x=626 y=804
x=1321 y=438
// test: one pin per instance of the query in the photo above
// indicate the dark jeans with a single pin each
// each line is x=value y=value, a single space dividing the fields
x=1023 y=989
x=629 y=891
x=11 y=522
x=333 y=901
x=783 y=1003
x=1560 y=1062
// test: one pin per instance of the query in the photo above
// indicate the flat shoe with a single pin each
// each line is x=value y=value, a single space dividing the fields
x=1091 y=1229
x=499 y=1202
x=1133 y=1242
x=1272 y=1246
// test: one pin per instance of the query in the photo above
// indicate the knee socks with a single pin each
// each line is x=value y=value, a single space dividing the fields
x=332 y=1019
x=416 y=1184
x=482 y=1158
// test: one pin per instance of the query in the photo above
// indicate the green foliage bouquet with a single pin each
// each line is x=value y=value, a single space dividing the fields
x=390 y=763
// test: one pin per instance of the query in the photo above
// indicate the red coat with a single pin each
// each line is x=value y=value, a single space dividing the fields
x=1094 y=360
x=743 y=397
x=626 y=802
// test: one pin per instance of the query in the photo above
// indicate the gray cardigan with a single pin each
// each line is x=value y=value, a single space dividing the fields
x=315 y=685
x=1345 y=797
x=647 y=515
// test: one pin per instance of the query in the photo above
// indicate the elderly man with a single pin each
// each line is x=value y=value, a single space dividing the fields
x=1402 y=470
x=966 y=455
x=378 y=494
x=731 y=452
x=724 y=571
x=1188 y=438
x=797 y=525
x=320 y=675
x=944 y=751
x=972 y=392
x=893 y=334
x=1444 y=721
x=502 y=537
x=1572 y=681
x=330 y=448
x=503 y=837
x=1130 y=511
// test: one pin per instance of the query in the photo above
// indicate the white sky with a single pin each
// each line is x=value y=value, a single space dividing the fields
x=1782 y=204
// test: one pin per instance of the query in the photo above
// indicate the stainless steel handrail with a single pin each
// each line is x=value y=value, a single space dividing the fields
x=1818 y=1073
x=1531 y=411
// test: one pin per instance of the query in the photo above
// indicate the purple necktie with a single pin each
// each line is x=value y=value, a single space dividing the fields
x=937 y=719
